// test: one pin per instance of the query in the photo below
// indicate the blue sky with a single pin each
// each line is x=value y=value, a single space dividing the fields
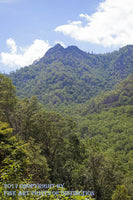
x=28 y=28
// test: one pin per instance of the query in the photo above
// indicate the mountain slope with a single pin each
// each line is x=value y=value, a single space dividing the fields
x=66 y=75
x=122 y=95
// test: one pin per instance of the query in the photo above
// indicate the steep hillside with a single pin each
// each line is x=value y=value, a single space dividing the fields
x=122 y=95
x=66 y=75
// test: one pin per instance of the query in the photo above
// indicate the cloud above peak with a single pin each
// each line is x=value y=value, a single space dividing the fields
x=20 y=57
x=11 y=45
x=110 y=25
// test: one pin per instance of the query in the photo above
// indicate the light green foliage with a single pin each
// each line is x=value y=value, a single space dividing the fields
x=13 y=158
x=7 y=98
x=121 y=193
x=12 y=155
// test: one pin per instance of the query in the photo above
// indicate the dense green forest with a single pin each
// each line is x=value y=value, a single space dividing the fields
x=69 y=75
x=69 y=122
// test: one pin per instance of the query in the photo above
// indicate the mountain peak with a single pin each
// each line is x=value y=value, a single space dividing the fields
x=58 y=52
x=72 y=47
x=54 y=49
x=58 y=46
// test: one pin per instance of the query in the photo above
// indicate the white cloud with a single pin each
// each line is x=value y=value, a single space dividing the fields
x=12 y=45
x=14 y=60
x=110 y=26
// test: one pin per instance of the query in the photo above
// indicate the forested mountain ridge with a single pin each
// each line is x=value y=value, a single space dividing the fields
x=66 y=75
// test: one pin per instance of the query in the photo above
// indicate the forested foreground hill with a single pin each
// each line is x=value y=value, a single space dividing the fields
x=69 y=75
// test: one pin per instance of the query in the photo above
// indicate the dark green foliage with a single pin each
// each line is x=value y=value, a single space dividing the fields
x=52 y=134
x=38 y=166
